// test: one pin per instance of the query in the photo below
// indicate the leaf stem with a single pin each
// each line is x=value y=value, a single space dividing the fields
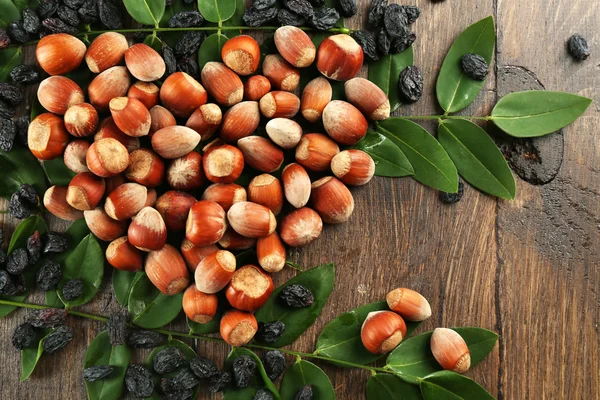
x=442 y=117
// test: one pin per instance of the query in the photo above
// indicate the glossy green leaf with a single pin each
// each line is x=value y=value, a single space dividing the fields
x=19 y=166
x=385 y=73
x=259 y=381
x=8 y=13
x=154 y=41
x=217 y=10
x=455 y=90
x=31 y=355
x=86 y=263
x=390 y=387
x=236 y=19
x=414 y=359
x=210 y=50
x=428 y=158
x=24 y=230
x=22 y=4
x=148 y=12
x=187 y=351
x=122 y=283
x=477 y=158
x=340 y=339
x=537 y=112
x=389 y=160
x=102 y=352
x=9 y=58
x=319 y=281
x=200 y=329
x=448 y=385
x=51 y=299
x=149 y=308
x=303 y=373
x=57 y=172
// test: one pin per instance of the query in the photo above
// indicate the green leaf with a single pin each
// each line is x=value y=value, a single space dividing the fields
x=187 y=351
x=389 y=159
x=24 y=230
x=154 y=41
x=537 y=112
x=57 y=172
x=385 y=73
x=303 y=373
x=51 y=299
x=210 y=50
x=217 y=10
x=22 y=4
x=452 y=386
x=122 y=283
x=236 y=19
x=210 y=327
x=259 y=381
x=390 y=387
x=9 y=58
x=149 y=307
x=320 y=282
x=477 y=158
x=102 y=352
x=432 y=165
x=8 y=13
x=414 y=359
x=19 y=166
x=148 y=12
x=31 y=355
x=455 y=90
x=340 y=339
x=86 y=263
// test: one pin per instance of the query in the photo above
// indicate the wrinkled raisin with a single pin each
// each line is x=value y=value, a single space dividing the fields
x=188 y=65
x=17 y=32
x=474 y=66
x=97 y=372
x=88 y=12
x=31 y=21
x=263 y=394
x=274 y=364
x=4 y=39
x=8 y=132
x=300 y=7
x=10 y=94
x=23 y=128
x=29 y=195
x=261 y=5
x=411 y=84
x=189 y=43
x=412 y=13
x=286 y=17
x=56 y=25
x=296 y=296
x=54 y=242
x=25 y=74
x=253 y=17
x=203 y=368
x=3 y=257
x=451 y=198
x=48 y=276
x=219 y=381
x=47 y=9
x=317 y=3
x=348 y=8
x=170 y=62
x=6 y=112
x=72 y=289
x=270 y=332
x=117 y=328
x=375 y=13
x=17 y=261
x=17 y=208
x=186 y=379
x=48 y=317
x=167 y=360
x=578 y=47
x=57 y=339
x=24 y=336
x=138 y=381
x=68 y=15
x=180 y=394
x=325 y=18
x=109 y=14
x=395 y=21
x=244 y=368
x=305 y=393
x=186 y=19
x=6 y=283
x=34 y=248
x=402 y=43
x=73 y=3
x=367 y=42
x=144 y=339
x=384 y=43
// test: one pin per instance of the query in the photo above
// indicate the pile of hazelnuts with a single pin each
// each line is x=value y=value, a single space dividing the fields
x=140 y=175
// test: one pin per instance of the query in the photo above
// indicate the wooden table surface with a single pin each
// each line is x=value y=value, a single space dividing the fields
x=528 y=269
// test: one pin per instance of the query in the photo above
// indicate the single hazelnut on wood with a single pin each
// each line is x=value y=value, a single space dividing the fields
x=122 y=255
x=206 y=120
x=353 y=167
x=279 y=104
x=106 y=51
x=114 y=82
x=368 y=98
x=260 y=153
x=47 y=137
x=256 y=87
x=144 y=62
x=332 y=200
x=339 y=57
x=174 y=141
x=147 y=231
x=281 y=74
x=130 y=115
x=241 y=54
x=109 y=130
x=206 y=223
x=450 y=350
x=215 y=271
x=301 y=227
x=238 y=327
x=58 y=93
x=74 y=156
x=251 y=220
x=55 y=201
x=224 y=85
x=296 y=185
x=199 y=307
x=167 y=271
x=81 y=120
x=232 y=240
x=160 y=118
x=315 y=151
x=270 y=253
x=186 y=173
x=85 y=191
x=126 y=201
x=249 y=288
x=102 y=226
x=382 y=331
x=266 y=190
x=315 y=97
x=411 y=305
x=295 y=46
x=146 y=92
x=174 y=207
x=194 y=254
x=240 y=121
x=344 y=123
x=59 y=53
x=107 y=157
x=284 y=132
x=182 y=95
x=225 y=194
x=223 y=164
x=145 y=167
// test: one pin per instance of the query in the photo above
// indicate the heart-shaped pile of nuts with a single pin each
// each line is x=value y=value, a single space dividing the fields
x=117 y=179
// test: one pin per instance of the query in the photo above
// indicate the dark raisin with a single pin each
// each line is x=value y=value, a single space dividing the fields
x=186 y=379
x=31 y=21
x=167 y=360
x=395 y=21
x=451 y=198
x=203 y=368
x=72 y=289
x=412 y=13
x=4 y=39
x=54 y=242
x=73 y=3
x=109 y=14
x=17 y=208
x=270 y=332
x=7 y=286
x=97 y=372
x=142 y=35
x=411 y=84
x=375 y=13
x=47 y=9
x=578 y=47
x=186 y=19
x=367 y=42
x=24 y=74
x=57 y=339
x=263 y=394
x=10 y=93
x=253 y=17
x=402 y=43
x=474 y=66
x=3 y=257
x=23 y=128
x=300 y=7
x=68 y=15
x=261 y=5
x=219 y=381
x=6 y=112
x=117 y=328
x=274 y=364
x=48 y=276
x=325 y=18
x=348 y=8
x=384 y=43
x=189 y=43
x=8 y=131
x=88 y=12
x=317 y=3
x=29 y=195
x=17 y=32
x=296 y=296
x=305 y=393
x=56 y=25
x=286 y=17
x=138 y=381
x=17 y=261
x=188 y=65
x=169 y=385
x=170 y=61
x=244 y=368
x=180 y=394
x=24 y=336
x=48 y=317
x=34 y=248
x=144 y=339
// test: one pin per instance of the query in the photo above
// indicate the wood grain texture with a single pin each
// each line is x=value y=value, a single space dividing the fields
x=528 y=269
